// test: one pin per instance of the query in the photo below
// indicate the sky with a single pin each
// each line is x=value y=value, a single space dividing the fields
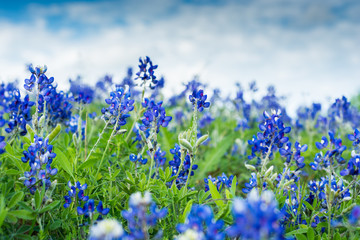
x=309 y=50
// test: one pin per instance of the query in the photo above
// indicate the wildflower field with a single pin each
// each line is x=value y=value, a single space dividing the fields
x=123 y=160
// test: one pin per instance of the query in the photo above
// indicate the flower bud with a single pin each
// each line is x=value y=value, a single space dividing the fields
x=185 y=144
x=201 y=140
x=54 y=133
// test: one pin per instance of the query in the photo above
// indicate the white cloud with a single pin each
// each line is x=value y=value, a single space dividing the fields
x=224 y=44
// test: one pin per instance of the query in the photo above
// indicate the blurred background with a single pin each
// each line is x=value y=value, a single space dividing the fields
x=309 y=50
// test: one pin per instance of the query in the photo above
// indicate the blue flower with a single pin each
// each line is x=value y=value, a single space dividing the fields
x=134 y=158
x=201 y=219
x=353 y=166
x=256 y=217
x=142 y=211
x=120 y=104
x=40 y=156
x=355 y=137
x=199 y=99
x=146 y=72
x=154 y=116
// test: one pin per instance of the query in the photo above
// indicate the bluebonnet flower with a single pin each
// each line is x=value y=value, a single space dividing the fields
x=58 y=106
x=256 y=217
x=201 y=219
x=175 y=167
x=76 y=192
x=142 y=214
x=334 y=153
x=81 y=92
x=251 y=184
x=37 y=79
x=120 y=106
x=342 y=112
x=355 y=137
x=19 y=113
x=89 y=207
x=40 y=156
x=353 y=167
x=272 y=136
x=220 y=182
x=108 y=229
x=159 y=157
x=146 y=72
x=154 y=116
x=291 y=214
x=294 y=154
x=354 y=216
x=198 y=99
x=134 y=158
x=318 y=190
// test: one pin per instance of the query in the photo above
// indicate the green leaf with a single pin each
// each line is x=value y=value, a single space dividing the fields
x=308 y=205
x=337 y=236
x=186 y=211
x=89 y=163
x=300 y=237
x=23 y=214
x=38 y=199
x=17 y=197
x=62 y=161
x=55 y=225
x=214 y=156
x=50 y=206
x=298 y=231
x=215 y=194
x=233 y=186
x=3 y=213
x=310 y=233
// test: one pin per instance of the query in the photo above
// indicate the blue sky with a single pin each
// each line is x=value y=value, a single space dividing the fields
x=308 y=49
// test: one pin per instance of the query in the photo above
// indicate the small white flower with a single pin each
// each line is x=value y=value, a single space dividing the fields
x=191 y=234
x=239 y=205
x=106 y=229
x=137 y=199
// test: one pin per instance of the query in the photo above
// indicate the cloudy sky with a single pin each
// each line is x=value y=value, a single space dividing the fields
x=308 y=49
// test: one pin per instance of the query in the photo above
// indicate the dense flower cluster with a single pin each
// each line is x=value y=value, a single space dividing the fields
x=40 y=156
x=120 y=106
x=175 y=165
x=294 y=155
x=146 y=72
x=142 y=214
x=334 y=153
x=19 y=113
x=37 y=79
x=318 y=191
x=201 y=220
x=154 y=116
x=272 y=136
x=256 y=217
x=220 y=182
x=198 y=99
x=76 y=194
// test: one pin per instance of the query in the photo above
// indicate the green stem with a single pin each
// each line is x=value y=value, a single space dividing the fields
x=98 y=140
x=191 y=165
x=107 y=146
x=151 y=166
